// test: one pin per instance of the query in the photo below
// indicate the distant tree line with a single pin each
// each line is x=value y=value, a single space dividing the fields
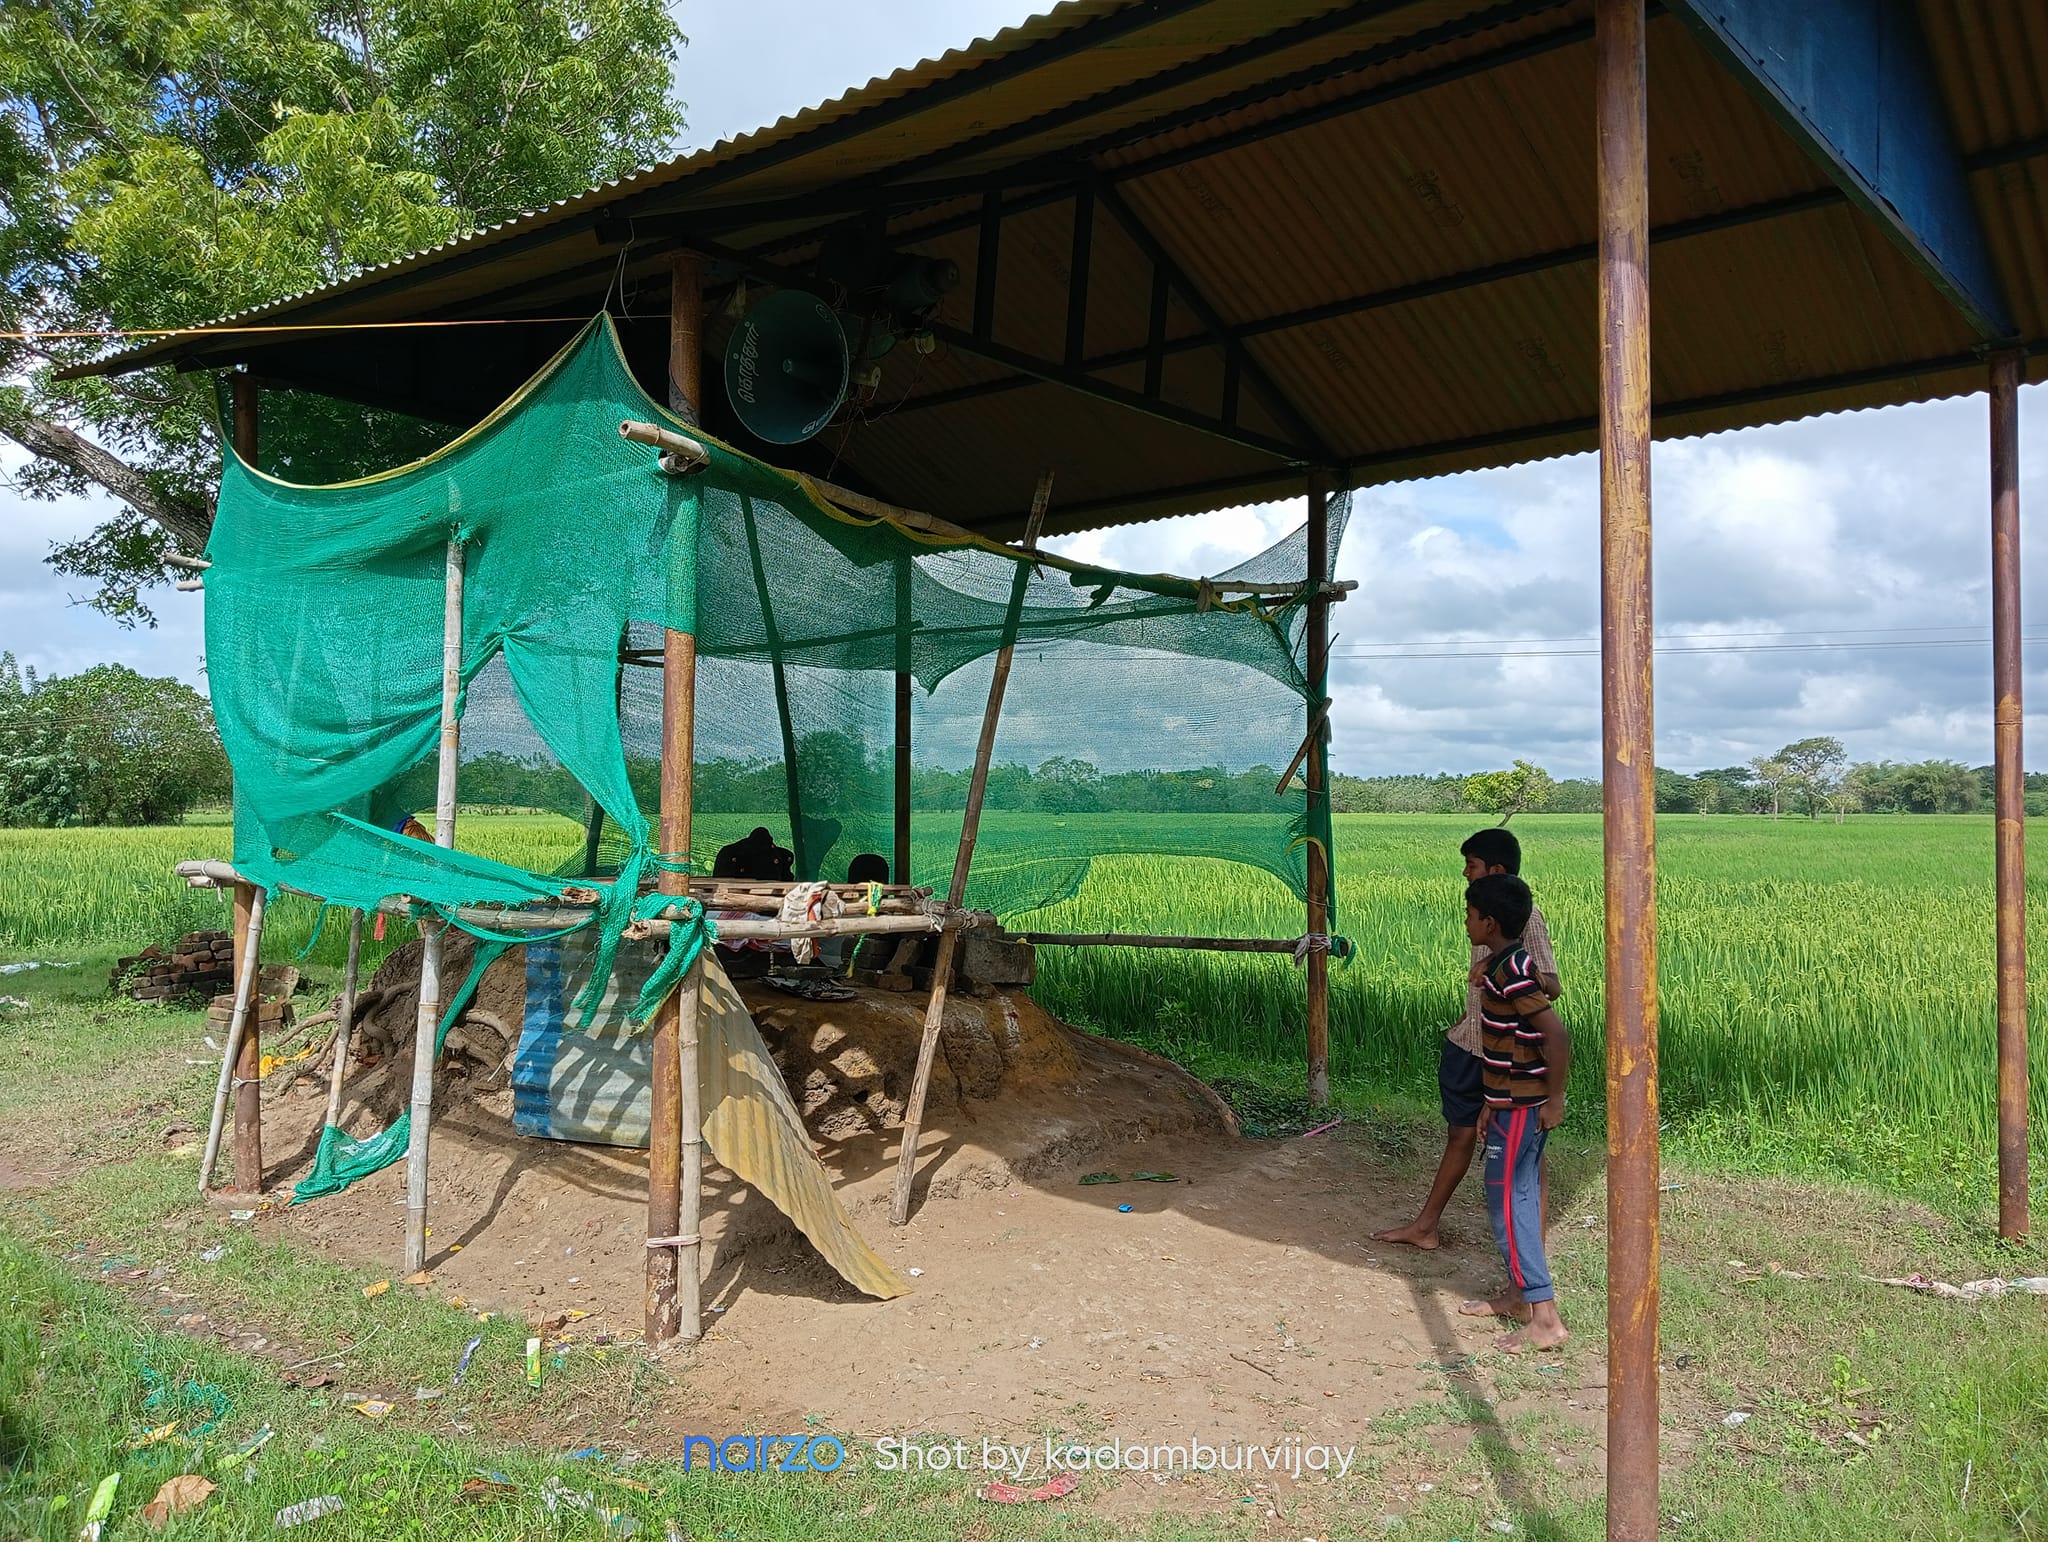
x=834 y=773
x=109 y=746
x=1810 y=777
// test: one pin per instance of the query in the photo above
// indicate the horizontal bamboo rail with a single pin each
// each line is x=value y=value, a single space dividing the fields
x=945 y=529
x=769 y=904
x=214 y=874
x=1142 y=940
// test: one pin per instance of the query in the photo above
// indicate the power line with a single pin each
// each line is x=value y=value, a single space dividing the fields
x=1593 y=653
x=1509 y=642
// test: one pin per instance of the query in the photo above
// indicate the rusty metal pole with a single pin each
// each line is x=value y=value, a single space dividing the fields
x=675 y=1149
x=1315 y=774
x=1627 y=768
x=2010 y=797
x=248 y=1148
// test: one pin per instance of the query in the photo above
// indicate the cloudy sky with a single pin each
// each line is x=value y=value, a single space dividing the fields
x=1822 y=577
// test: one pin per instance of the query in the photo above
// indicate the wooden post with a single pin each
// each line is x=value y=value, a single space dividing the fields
x=1627 y=768
x=433 y=933
x=673 y=1303
x=248 y=950
x=792 y=790
x=1316 y=776
x=248 y=1175
x=2010 y=798
x=900 y=868
x=963 y=860
x=345 y=1017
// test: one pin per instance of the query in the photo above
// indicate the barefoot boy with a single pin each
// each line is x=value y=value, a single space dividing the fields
x=1527 y=1053
x=1458 y=1068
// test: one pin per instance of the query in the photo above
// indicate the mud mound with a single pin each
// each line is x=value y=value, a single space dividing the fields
x=851 y=1063
x=477 y=1058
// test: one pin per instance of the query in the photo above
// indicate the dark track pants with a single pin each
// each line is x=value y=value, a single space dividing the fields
x=1514 y=1153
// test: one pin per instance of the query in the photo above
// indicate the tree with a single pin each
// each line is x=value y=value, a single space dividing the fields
x=107 y=747
x=1507 y=793
x=1065 y=785
x=1677 y=793
x=1770 y=774
x=166 y=162
x=1813 y=770
x=1725 y=789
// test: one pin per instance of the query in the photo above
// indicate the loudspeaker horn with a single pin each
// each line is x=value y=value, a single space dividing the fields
x=786 y=367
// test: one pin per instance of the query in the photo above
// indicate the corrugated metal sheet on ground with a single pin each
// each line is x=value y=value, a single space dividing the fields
x=592 y=1085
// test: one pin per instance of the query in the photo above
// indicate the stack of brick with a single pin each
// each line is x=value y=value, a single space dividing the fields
x=271 y=1011
x=198 y=963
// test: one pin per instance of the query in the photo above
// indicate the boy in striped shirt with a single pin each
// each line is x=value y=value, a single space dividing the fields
x=1527 y=1055
x=1459 y=1072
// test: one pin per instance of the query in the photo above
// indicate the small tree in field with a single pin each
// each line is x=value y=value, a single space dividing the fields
x=1771 y=776
x=1813 y=771
x=1524 y=789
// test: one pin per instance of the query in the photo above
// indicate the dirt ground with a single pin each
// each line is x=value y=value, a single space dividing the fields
x=1243 y=1301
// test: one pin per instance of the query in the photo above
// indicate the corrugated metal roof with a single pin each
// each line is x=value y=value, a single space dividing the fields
x=1388 y=203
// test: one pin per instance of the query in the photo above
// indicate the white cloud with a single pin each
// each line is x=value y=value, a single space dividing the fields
x=43 y=621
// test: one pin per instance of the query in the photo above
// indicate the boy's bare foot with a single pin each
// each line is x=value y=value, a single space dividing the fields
x=1414 y=1235
x=1506 y=1304
x=1533 y=1335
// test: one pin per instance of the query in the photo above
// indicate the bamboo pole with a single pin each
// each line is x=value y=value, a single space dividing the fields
x=900 y=867
x=207 y=874
x=433 y=933
x=2011 y=879
x=1316 y=719
x=246 y=971
x=768 y=904
x=1628 y=749
x=345 y=1017
x=248 y=1155
x=792 y=790
x=679 y=452
x=1316 y=775
x=956 y=893
x=945 y=529
x=673 y=1301
x=1148 y=940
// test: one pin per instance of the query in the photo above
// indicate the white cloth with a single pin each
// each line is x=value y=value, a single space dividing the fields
x=809 y=902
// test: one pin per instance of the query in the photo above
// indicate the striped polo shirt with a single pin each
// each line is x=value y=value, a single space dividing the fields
x=1512 y=1051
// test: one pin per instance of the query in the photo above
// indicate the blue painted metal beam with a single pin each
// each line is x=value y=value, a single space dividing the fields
x=1851 y=82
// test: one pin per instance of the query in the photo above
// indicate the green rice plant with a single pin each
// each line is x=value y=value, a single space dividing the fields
x=1825 y=990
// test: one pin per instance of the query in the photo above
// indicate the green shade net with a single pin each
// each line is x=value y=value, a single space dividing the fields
x=324 y=649
x=342 y=1159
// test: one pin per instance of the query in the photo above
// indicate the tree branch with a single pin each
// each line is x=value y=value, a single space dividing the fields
x=187 y=520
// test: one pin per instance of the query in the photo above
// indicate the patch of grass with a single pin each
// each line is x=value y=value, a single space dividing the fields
x=84 y=1378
